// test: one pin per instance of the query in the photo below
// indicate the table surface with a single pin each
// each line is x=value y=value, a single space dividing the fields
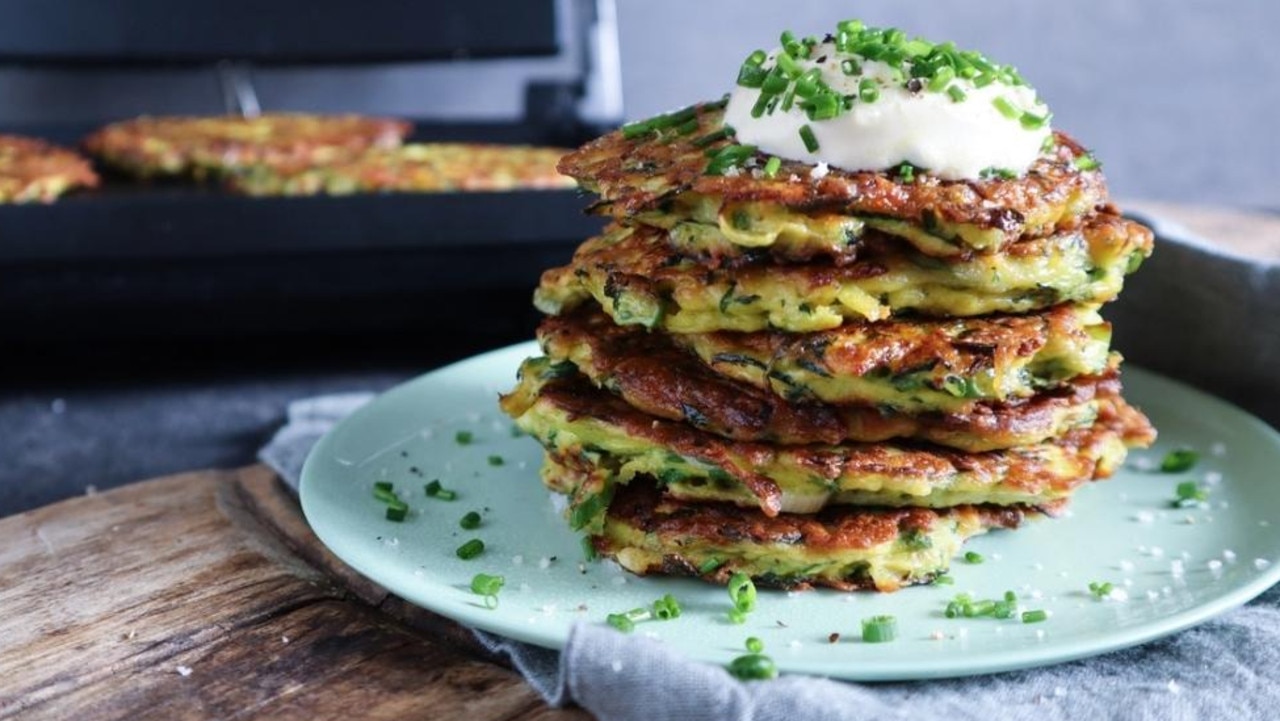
x=205 y=595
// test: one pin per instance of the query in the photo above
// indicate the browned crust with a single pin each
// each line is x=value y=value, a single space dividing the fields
x=637 y=174
x=640 y=505
x=32 y=170
x=651 y=374
x=1021 y=468
x=174 y=145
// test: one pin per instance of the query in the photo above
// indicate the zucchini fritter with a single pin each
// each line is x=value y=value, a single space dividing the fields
x=413 y=168
x=877 y=549
x=638 y=279
x=575 y=420
x=638 y=175
x=938 y=364
x=201 y=147
x=653 y=375
x=33 y=171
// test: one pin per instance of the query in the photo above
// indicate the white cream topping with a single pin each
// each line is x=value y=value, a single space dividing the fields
x=930 y=130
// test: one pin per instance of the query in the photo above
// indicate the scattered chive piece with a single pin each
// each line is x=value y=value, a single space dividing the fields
x=907 y=172
x=956 y=94
x=471 y=521
x=728 y=157
x=810 y=141
x=1189 y=493
x=973 y=557
x=666 y=608
x=1101 y=589
x=755 y=645
x=589 y=549
x=1035 y=616
x=435 y=490
x=772 y=165
x=470 y=549
x=1051 y=142
x=743 y=594
x=1031 y=121
x=710 y=565
x=879 y=629
x=849 y=66
x=944 y=580
x=621 y=622
x=464 y=438
x=1183 y=459
x=1086 y=162
x=383 y=491
x=397 y=511
x=496 y=460
x=516 y=432
x=753 y=667
x=483 y=584
x=941 y=78
x=1006 y=108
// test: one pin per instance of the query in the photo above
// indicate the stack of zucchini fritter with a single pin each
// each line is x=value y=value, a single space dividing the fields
x=822 y=377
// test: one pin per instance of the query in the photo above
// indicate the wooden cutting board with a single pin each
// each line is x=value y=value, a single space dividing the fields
x=205 y=595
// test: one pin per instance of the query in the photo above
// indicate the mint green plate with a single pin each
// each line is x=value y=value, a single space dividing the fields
x=1177 y=567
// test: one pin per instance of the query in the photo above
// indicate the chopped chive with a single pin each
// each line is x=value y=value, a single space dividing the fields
x=771 y=166
x=1035 y=616
x=1031 y=121
x=956 y=94
x=1006 y=108
x=850 y=67
x=742 y=592
x=516 y=432
x=688 y=127
x=944 y=580
x=751 y=76
x=753 y=667
x=941 y=78
x=810 y=141
x=464 y=438
x=868 y=90
x=589 y=549
x=483 y=584
x=907 y=172
x=470 y=521
x=1178 y=461
x=1086 y=162
x=666 y=608
x=973 y=557
x=470 y=549
x=435 y=490
x=621 y=622
x=397 y=511
x=384 y=491
x=712 y=137
x=755 y=645
x=879 y=629
x=1101 y=589
x=1189 y=493
x=631 y=131
x=496 y=461
x=728 y=157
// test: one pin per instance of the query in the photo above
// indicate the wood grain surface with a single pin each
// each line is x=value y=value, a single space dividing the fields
x=205 y=596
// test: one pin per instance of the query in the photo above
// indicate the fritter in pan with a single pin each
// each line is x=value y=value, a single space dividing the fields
x=574 y=420
x=216 y=145
x=413 y=168
x=639 y=279
x=651 y=374
x=33 y=171
x=650 y=171
x=880 y=549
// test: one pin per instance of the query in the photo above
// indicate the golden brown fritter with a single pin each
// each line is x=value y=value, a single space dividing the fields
x=638 y=175
x=215 y=145
x=413 y=168
x=844 y=548
x=33 y=171
x=638 y=278
x=650 y=373
x=573 y=419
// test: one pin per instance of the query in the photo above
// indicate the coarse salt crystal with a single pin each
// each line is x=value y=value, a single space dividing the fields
x=544 y=563
x=1261 y=563
x=937 y=635
x=1153 y=595
x=1155 y=552
x=1214 y=565
x=1144 y=517
x=183 y=671
x=1218 y=449
x=1173 y=687
x=793 y=643
x=819 y=171
x=1119 y=595
x=1059 y=691
x=1176 y=568
x=732 y=172
x=517 y=560
x=1212 y=478
x=1229 y=556
x=284 y=639
x=616 y=666
x=1039 y=633
x=1126 y=565
x=618 y=580
x=1143 y=463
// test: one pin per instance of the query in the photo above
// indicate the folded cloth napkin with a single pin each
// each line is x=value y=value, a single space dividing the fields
x=1227 y=668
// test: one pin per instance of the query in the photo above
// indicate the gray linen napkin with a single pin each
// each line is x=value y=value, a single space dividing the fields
x=1227 y=668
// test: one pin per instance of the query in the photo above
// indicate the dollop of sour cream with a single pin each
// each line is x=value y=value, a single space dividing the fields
x=967 y=132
